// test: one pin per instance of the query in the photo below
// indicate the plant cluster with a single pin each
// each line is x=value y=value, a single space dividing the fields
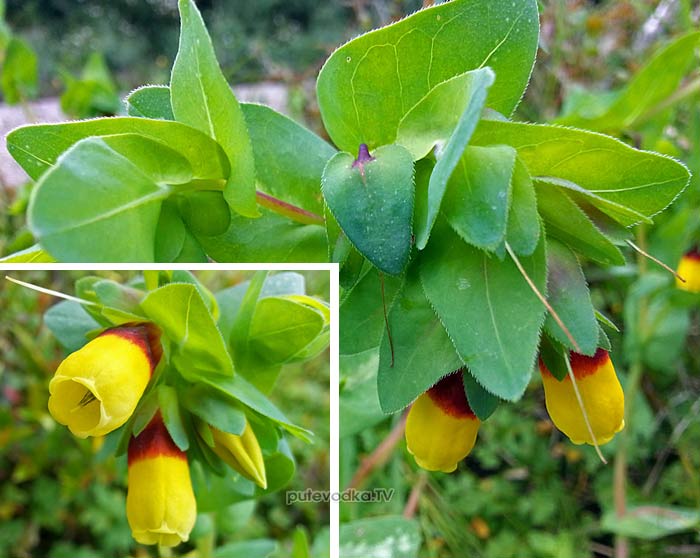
x=177 y=376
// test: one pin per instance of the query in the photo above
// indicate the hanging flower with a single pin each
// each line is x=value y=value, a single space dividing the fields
x=160 y=504
x=441 y=427
x=601 y=394
x=689 y=269
x=242 y=453
x=96 y=389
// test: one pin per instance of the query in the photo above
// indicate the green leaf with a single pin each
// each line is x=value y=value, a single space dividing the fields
x=488 y=309
x=33 y=254
x=422 y=352
x=289 y=159
x=150 y=101
x=206 y=213
x=362 y=314
x=658 y=79
x=449 y=156
x=372 y=200
x=359 y=404
x=369 y=84
x=480 y=401
x=198 y=349
x=170 y=233
x=240 y=328
x=554 y=356
x=478 y=195
x=70 y=324
x=651 y=522
x=565 y=221
x=170 y=411
x=453 y=104
x=213 y=407
x=37 y=148
x=202 y=98
x=241 y=391
x=257 y=548
x=281 y=328
x=386 y=536
x=523 y=229
x=96 y=205
x=270 y=238
x=642 y=181
x=19 y=74
x=567 y=292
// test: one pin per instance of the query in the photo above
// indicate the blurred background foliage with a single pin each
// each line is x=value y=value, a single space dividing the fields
x=61 y=497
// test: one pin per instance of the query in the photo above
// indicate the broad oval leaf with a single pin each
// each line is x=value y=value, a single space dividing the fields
x=96 y=205
x=202 y=98
x=642 y=181
x=372 y=199
x=367 y=86
x=488 y=309
x=37 y=148
x=523 y=230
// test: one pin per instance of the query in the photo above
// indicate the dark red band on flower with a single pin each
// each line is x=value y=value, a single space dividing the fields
x=581 y=365
x=693 y=254
x=448 y=394
x=154 y=441
x=145 y=335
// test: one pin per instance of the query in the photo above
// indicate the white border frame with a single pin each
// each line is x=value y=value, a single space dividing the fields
x=334 y=399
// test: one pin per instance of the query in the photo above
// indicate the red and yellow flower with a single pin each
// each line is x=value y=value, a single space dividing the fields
x=160 y=504
x=689 y=269
x=96 y=389
x=601 y=394
x=441 y=428
x=242 y=453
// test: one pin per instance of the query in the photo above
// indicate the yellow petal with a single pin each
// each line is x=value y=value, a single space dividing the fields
x=440 y=428
x=602 y=397
x=689 y=269
x=96 y=389
x=160 y=504
x=242 y=453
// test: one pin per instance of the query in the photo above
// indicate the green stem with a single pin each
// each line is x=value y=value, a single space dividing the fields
x=631 y=390
x=206 y=544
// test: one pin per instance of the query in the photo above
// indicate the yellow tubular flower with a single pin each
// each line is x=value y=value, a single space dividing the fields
x=689 y=269
x=242 y=453
x=160 y=504
x=601 y=394
x=95 y=389
x=441 y=427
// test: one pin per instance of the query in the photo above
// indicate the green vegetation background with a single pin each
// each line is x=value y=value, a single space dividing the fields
x=61 y=498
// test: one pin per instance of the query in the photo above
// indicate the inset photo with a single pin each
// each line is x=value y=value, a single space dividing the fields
x=164 y=413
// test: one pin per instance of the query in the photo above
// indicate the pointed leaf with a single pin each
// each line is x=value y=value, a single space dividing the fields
x=478 y=195
x=523 y=231
x=150 y=101
x=367 y=86
x=202 y=98
x=372 y=200
x=488 y=309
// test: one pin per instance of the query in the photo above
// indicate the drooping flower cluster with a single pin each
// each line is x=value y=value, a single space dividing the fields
x=96 y=389
x=441 y=428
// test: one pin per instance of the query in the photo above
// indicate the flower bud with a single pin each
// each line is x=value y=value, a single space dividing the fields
x=242 y=453
x=689 y=269
x=160 y=504
x=601 y=394
x=441 y=427
x=96 y=389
